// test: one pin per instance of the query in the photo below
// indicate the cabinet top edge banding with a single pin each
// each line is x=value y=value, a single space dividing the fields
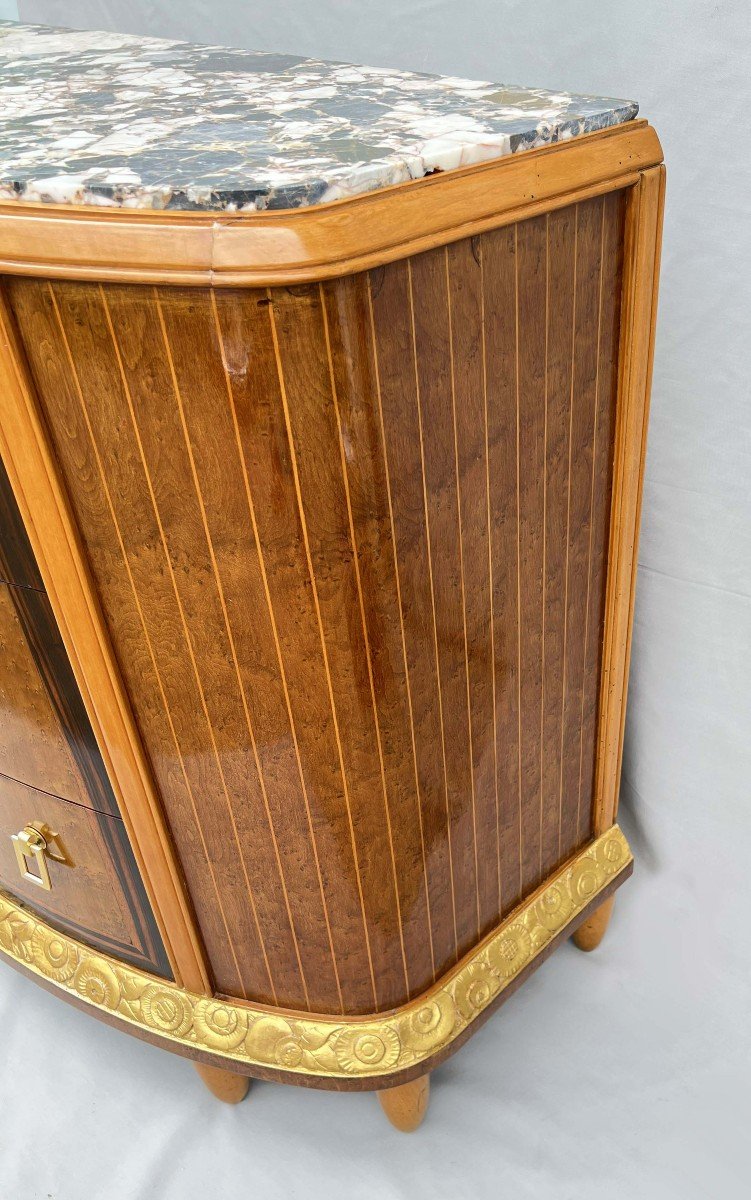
x=309 y=244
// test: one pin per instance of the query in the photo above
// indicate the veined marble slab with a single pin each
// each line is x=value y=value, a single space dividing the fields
x=120 y=121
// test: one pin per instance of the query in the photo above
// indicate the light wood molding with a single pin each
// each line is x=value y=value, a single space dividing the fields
x=322 y=241
x=641 y=273
x=44 y=507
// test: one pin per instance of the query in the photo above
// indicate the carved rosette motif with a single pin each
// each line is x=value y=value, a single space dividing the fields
x=312 y=1045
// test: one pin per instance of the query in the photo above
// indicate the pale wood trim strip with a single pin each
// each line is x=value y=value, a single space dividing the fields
x=418 y=790
x=591 y=517
x=165 y=551
x=568 y=522
x=643 y=234
x=366 y=641
x=544 y=537
x=432 y=602
x=518 y=567
x=323 y=241
x=463 y=591
x=137 y=601
x=236 y=665
x=44 y=506
x=324 y=650
x=277 y=644
x=490 y=568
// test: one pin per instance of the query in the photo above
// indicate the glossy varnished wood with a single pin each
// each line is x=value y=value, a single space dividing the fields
x=349 y=541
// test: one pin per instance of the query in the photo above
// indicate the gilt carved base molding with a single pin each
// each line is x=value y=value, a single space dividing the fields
x=365 y=1050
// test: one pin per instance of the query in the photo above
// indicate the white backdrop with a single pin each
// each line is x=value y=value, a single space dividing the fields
x=621 y=1074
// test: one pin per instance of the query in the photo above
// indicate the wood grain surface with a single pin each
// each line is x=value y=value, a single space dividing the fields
x=349 y=539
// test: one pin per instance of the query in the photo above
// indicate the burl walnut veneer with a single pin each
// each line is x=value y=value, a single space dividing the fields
x=320 y=506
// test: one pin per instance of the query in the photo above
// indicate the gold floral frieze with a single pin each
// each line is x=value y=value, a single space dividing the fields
x=316 y=1045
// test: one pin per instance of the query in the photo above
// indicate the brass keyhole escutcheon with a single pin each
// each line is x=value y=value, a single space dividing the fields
x=30 y=846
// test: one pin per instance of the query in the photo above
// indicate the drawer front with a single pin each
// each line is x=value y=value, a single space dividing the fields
x=46 y=740
x=95 y=891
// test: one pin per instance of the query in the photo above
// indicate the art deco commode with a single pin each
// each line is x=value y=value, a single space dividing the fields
x=323 y=403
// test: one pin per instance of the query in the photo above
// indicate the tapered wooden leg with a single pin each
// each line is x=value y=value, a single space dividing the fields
x=225 y=1085
x=589 y=935
x=406 y=1105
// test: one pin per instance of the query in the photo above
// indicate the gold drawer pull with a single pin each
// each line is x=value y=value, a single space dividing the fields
x=30 y=845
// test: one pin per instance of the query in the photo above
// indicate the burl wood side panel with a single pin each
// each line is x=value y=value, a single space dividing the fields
x=350 y=542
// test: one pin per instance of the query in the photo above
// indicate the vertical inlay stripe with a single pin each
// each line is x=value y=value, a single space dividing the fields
x=418 y=789
x=568 y=540
x=479 y=243
x=583 y=418
x=544 y=548
x=531 y=471
x=499 y=307
x=324 y=651
x=518 y=569
x=366 y=643
x=277 y=646
x=233 y=652
x=591 y=513
x=560 y=298
x=188 y=639
x=126 y=563
x=391 y=329
x=462 y=588
x=432 y=599
x=471 y=482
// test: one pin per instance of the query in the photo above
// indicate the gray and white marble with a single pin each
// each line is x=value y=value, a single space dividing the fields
x=120 y=121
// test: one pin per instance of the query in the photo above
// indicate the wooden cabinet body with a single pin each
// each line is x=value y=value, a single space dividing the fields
x=336 y=511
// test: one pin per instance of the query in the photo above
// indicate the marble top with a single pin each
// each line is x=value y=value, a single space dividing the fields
x=120 y=121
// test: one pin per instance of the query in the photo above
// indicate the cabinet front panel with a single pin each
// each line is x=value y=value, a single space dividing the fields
x=93 y=893
x=51 y=772
x=350 y=541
